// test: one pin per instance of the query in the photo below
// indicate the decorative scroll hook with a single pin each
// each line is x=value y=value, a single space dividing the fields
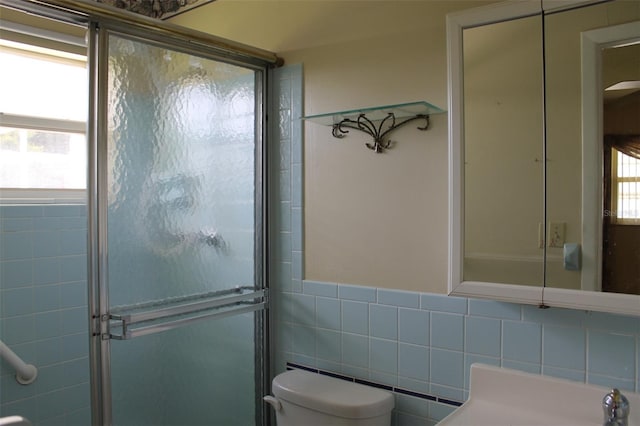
x=379 y=132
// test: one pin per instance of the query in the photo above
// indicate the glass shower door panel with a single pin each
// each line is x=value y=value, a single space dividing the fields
x=180 y=226
x=201 y=374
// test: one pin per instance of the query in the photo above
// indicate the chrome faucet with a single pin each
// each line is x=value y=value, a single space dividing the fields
x=616 y=409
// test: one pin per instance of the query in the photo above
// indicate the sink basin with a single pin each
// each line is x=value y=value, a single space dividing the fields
x=504 y=397
x=14 y=421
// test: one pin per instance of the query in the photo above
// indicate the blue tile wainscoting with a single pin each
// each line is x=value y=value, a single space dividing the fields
x=410 y=341
x=43 y=311
x=425 y=343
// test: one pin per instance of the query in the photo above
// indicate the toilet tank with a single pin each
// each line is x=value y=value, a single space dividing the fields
x=312 y=399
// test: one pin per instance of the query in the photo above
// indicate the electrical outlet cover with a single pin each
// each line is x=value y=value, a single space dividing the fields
x=556 y=234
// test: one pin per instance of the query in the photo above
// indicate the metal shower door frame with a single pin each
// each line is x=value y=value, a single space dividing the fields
x=100 y=321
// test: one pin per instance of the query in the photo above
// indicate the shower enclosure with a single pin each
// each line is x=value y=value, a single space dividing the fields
x=178 y=218
x=176 y=222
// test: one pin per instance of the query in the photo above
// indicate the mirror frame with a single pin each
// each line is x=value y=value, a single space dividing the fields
x=542 y=296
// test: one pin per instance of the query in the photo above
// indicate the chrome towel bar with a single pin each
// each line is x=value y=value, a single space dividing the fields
x=139 y=320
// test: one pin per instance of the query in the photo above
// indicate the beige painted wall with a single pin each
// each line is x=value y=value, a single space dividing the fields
x=382 y=219
x=371 y=219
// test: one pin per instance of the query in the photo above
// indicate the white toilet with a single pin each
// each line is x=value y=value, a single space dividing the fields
x=310 y=399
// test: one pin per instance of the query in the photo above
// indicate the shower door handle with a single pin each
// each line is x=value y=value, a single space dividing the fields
x=140 y=320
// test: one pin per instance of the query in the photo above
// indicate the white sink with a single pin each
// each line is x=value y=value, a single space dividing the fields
x=504 y=397
x=14 y=421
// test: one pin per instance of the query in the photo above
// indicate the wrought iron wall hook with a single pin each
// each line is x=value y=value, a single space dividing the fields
x=379 y=132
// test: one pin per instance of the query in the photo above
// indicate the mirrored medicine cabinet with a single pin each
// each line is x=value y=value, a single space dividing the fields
x=544 y=129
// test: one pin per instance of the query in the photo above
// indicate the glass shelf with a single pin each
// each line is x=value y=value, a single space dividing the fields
x=377 y=122
x=376 y=113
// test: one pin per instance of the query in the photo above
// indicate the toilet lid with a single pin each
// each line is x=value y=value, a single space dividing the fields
x=331 y=396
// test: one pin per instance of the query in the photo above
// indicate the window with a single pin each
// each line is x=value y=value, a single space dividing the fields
x=43 y=112
x=625 y=188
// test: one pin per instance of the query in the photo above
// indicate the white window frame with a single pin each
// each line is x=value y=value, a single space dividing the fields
x=42 y=195
x=615 y=179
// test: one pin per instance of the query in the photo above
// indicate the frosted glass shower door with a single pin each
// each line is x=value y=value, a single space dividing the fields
x=182 y=228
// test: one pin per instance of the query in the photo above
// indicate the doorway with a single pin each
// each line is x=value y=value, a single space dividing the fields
x=621 y=154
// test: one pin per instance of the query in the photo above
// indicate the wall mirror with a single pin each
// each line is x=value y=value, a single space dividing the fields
x=543 y=175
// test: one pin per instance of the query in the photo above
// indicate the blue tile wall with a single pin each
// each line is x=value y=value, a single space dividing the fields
x=420 y=344
x=43 y=311
x=429 y=351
